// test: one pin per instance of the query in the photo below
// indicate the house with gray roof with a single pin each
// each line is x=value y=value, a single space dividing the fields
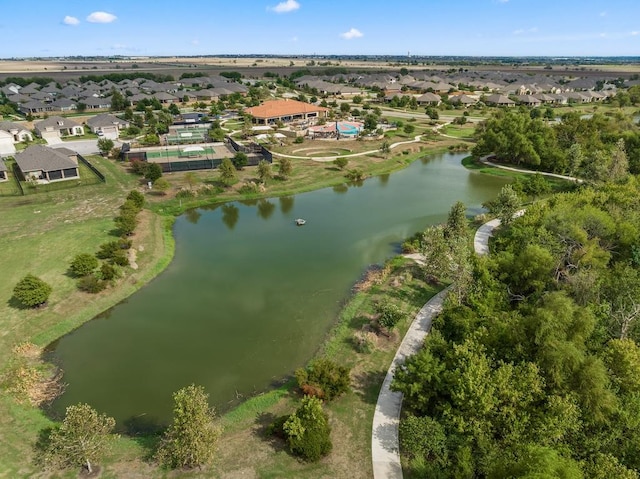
x=107 y=125
x=34 y=107
x=429 y=99
x=18 y=132
x=57 y=127
x=499 y=100
x=43 y=164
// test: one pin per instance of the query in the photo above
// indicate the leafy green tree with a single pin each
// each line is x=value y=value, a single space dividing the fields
x=227 y=171
x=126 y=223
x=105 y=145
x=307 y=430
x=81 y=440
x=345 y=108
x=409 y=128
x=162 y=185
x=191 y=178
x=432 y=113
x=32 y=291
x=423 y=437
x=505 y=205
x=341 y=162
x=83 y=264
x=370 y=122
x=285 y=167
x=118 y=101
x=390 y=314
x=385 y=148
x=240 y=160
x=264 y=171
x=137 y=198
x=457 y=225
x=152 y=172
x=535 y=185
x=192 y=438
x=619 y=166
x=538 y=462
x=173 y=109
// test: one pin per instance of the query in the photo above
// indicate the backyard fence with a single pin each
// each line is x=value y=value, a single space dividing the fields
x=92 y=168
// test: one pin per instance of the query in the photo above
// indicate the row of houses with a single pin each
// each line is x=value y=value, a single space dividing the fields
x=465 y=99
x=35 y=100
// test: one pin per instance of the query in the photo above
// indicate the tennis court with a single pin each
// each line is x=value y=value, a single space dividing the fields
x=186 y=152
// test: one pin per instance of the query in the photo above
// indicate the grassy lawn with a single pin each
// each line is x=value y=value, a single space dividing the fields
x=40 y=234
x=460 y=131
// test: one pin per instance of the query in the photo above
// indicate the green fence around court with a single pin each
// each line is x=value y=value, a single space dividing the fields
x=207 y=150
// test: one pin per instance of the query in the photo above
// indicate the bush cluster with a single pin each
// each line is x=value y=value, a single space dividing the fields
x=324 y=378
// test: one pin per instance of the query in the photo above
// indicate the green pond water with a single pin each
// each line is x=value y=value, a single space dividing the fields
x=250 y=296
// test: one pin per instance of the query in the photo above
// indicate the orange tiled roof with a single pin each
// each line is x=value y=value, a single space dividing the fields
x=279 y=108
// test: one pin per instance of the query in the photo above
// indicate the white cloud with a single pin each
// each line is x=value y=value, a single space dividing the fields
x=503 y=1
x=294 y=39
x=520 y=31
x=635 y=33
x=286 y=6
x=68 y=20
x=353 y=33
x=603 y=14
x=195 y=42
x=101 y=17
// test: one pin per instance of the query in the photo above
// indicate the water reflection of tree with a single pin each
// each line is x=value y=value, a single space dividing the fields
x=265 y=209
x=230 y=215
x=286 y=204
x=341 y=188
x=193 y=216
x=384 y=179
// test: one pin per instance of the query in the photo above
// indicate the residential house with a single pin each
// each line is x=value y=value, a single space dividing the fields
x=529 y=100
x=7 y=148
x=34 y=107
x=44 y=164
x=462 y=100
x=3 y=171
x=57 y=127
x=64 y=104
x=107 y=125
x=18 y=132
x=499 y=100
x=93 y=103
x=429 y=99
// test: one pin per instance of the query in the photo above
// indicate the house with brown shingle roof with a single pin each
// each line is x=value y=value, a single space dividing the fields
x=285 y=111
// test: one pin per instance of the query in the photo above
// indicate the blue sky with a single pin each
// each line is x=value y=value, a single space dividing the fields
x=389 y=27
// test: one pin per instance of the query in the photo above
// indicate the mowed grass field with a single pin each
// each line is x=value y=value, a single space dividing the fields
x=40 y=234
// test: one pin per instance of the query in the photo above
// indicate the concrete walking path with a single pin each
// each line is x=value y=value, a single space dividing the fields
x=385 y=451
x=485 y=160
x=331 y=158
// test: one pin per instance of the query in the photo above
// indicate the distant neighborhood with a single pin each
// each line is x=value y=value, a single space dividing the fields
x=50 y=112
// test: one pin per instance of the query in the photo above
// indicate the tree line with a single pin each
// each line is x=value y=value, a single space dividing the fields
x=533 y=368
x=589 y=147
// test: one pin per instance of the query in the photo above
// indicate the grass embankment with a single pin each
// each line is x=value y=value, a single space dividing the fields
x=40 y=234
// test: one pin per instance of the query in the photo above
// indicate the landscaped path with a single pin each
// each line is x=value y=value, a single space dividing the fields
x=385 y=452
x=485 y=160
x=331 y=158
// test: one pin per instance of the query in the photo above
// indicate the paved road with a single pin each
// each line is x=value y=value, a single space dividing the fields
x=385 y=453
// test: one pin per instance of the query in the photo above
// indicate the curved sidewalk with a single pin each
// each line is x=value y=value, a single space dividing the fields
x=485 y=160
x=331 y=158
x=385 y=453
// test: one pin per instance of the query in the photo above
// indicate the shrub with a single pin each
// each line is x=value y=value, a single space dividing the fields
x=185 y=193
x=307 y=430
x=109 y=272
x=120 y=258
x=126 y=223
x=32 y=291
x=364 y=341
x=423 y=437
x=355 y=175
x=129 y=207
x=331 y=379
x=138 y=167
x=107 y=250
x=341 y=162
x=153 y=171
x=83 y=264
x=390 y=314
x=91 y=284
x=299 y=140
x=137 y=198
x=276 y=428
